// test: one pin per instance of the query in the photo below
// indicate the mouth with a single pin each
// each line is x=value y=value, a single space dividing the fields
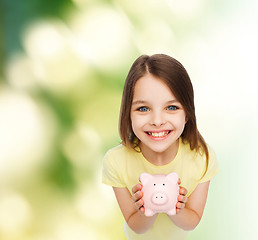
x=160 y=134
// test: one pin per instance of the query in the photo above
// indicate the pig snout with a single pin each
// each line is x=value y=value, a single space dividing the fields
x=159 y=198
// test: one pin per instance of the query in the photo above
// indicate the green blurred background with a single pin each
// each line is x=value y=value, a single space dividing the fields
x=62 y=68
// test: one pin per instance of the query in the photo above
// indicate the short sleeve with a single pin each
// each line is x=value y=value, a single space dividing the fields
x=212 y=167
x=112 y=170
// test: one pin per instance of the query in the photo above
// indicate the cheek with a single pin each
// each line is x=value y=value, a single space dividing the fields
x=134 y=123
x=180 y=122
x=137 y=122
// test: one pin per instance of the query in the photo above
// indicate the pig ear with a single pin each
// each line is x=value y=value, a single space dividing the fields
x=145 y=177
x=172 y=177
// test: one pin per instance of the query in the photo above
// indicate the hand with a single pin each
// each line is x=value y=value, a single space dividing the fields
x=182 y=199
x=137 y=198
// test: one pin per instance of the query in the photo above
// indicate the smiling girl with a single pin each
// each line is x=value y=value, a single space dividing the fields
x=159 y=135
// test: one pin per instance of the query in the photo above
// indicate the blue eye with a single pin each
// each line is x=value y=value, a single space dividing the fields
x=143 y=109
x=172 y=108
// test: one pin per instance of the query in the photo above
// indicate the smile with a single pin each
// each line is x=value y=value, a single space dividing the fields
x=159 y=134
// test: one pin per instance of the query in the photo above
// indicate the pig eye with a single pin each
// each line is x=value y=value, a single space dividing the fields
x=154 y=184
x=163 y=184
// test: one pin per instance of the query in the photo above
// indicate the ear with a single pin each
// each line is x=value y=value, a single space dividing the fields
x=172 y=177
x=145 y=177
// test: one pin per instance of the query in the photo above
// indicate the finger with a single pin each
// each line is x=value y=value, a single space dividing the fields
x=182 y=191
x=139 y=204
x=178 y=210
x=179 y=181
x=182 y=199
x=142 y=210
x=180 y=205
x=136 y=188
x=137 y=196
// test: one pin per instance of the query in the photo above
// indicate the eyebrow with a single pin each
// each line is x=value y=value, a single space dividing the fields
x=145 y=102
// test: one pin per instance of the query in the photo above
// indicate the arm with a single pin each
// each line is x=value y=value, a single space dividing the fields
x=132 y=209
x=188 y=217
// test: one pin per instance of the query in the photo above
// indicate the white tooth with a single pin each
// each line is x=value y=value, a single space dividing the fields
x=160 y=134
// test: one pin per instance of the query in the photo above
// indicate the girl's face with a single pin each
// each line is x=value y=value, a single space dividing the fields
x=158 y=119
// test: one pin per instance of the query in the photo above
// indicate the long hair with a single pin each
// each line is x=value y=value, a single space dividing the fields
x=177 y=79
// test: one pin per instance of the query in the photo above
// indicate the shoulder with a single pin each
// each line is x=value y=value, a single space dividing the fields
x=198 y=156
x=212 y=154
x=187 y=153
x=117 y=152
x=114 y=165
x=196 y=160
x=211 y=166
x=118 y=155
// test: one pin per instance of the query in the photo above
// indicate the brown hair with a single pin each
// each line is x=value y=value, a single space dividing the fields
x=177 y=79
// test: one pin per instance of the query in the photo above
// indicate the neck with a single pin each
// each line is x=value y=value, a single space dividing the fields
x=160 y=158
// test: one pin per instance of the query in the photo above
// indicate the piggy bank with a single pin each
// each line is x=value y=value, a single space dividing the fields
x=160 y=193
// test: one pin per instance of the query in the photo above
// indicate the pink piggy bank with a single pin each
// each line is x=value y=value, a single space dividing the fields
x=160 y=193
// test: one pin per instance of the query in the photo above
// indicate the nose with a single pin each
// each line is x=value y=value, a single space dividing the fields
x=159 y=198
x=157 y=119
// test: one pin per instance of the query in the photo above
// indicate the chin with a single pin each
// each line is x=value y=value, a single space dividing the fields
x=157 y=149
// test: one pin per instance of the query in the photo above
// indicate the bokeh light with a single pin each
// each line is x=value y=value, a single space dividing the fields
x=16 y=214
x=24 y=137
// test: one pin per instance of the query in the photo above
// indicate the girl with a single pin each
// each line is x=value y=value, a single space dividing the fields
x=159 y=135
